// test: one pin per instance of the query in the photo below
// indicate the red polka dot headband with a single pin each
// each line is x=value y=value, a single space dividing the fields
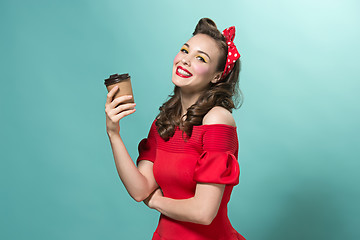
x=233 y=54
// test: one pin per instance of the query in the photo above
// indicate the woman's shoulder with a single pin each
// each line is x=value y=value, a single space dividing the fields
x=219 y=115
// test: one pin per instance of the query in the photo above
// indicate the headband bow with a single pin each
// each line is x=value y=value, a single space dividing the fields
x=233 y=54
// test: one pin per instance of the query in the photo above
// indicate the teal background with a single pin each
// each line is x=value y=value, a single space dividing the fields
x=298 y=126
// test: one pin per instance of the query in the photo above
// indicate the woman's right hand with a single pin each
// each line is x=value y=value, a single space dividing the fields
x=113 y=113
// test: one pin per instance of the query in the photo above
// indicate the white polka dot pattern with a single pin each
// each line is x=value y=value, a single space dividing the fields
x=233 y=54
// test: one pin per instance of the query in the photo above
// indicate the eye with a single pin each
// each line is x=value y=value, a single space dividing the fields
x=184 y=50
x=201 y=59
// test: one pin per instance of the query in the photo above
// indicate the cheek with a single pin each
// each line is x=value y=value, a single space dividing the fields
x=177 y=58
x=201 y=69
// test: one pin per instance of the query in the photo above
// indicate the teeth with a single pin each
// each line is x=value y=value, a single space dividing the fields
x=183 y=72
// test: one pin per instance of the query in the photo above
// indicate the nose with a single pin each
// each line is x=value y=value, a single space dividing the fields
x=185 y=60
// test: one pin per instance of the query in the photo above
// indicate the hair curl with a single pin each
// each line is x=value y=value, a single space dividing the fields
x=225 y=93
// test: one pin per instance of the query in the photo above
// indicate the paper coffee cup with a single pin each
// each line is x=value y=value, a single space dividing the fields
x=123 y=81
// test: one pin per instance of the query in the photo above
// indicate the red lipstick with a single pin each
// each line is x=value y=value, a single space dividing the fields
x=181 y=75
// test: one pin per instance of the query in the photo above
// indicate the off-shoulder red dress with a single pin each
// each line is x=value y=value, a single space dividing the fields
x=208 y=156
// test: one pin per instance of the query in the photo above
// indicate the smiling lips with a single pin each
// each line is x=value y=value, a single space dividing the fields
x=183 y=72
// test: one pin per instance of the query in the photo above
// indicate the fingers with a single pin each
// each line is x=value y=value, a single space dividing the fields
x=119 y=100
x=111 y=94
x=115 y=114
x=119 y=116
x=116 y=109
x=123 y=107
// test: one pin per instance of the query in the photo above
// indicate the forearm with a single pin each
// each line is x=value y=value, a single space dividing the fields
x=186 y=210
x=134 y=181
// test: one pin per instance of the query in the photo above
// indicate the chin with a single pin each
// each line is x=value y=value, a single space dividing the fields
x=175 y=81
x=179 y=81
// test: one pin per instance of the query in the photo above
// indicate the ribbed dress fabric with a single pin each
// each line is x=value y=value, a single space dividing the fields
x=208 y=156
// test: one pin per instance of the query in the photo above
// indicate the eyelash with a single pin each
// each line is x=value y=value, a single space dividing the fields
x=200 y=58
x=184 y=50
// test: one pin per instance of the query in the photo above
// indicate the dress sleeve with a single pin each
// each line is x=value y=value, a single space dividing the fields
x=218 y=162
x=147 y=146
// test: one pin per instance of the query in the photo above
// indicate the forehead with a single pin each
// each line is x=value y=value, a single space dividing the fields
x=204 y=43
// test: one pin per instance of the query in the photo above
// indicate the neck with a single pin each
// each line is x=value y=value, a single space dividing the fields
x=188 y=99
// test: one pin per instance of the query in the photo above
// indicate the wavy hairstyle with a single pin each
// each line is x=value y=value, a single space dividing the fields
x=225 y=93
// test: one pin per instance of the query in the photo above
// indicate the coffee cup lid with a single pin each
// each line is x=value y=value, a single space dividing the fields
x=115 y=78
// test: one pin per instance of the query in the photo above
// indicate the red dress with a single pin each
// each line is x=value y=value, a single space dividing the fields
x=209 y=156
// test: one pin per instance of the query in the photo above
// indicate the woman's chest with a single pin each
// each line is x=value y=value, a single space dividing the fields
x=174 y=173
x=175 y=164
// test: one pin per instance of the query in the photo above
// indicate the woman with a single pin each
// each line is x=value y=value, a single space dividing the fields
x=187 y=166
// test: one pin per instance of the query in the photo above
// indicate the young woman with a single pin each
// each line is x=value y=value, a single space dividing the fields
x=187 y=166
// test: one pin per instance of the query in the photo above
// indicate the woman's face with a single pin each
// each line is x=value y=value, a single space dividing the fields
x=195 y=64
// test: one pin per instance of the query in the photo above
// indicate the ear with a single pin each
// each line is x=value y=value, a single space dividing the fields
x=217 y=77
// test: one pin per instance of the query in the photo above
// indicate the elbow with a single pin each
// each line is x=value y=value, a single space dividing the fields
x=139 y=198
x=206 y=221
x=205 y=217
x=140 y=195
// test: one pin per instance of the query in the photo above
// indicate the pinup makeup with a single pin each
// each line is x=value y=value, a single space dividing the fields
x=123 y=81
x=183 y=72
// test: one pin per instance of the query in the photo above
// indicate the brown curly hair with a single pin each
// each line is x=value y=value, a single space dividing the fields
x=225 y=93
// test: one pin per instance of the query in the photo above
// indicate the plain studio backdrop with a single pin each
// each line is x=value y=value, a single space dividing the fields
x=298 y=127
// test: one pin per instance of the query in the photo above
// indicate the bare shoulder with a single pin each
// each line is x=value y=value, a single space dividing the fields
x=219 y=115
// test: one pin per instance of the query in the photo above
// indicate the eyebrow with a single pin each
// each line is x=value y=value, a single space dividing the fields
x=198 y=51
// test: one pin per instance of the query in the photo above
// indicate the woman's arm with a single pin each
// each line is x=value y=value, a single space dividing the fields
x=138 y=181
x=201 y=209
